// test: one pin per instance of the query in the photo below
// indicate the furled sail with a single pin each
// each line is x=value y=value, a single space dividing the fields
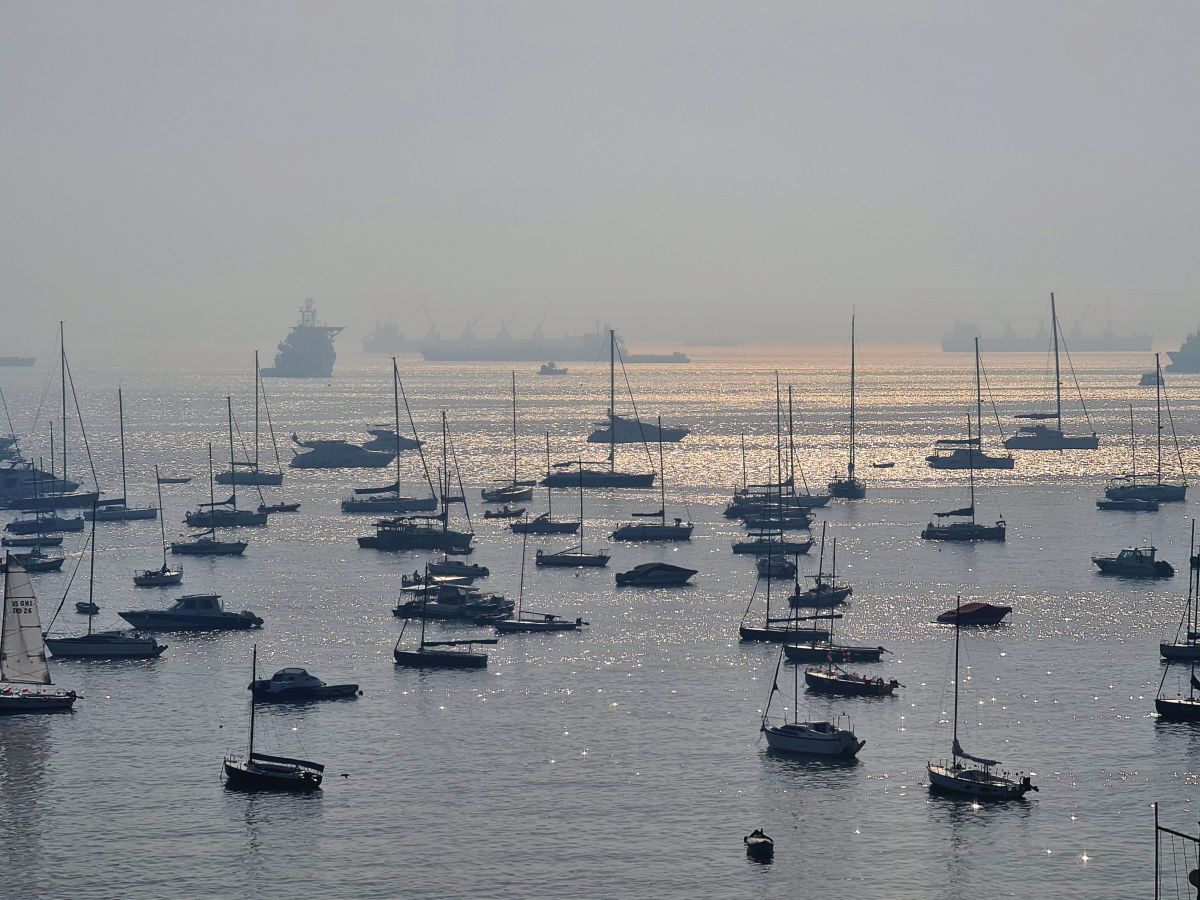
x=965 y=511
x=960 y=752
x=22 y=652
x=1196 y=682
x=392 y=488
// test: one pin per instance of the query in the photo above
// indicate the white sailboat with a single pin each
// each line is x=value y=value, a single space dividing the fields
x=23 y=666
x=118 y=509
x=1043 y=437
x=1151 y=487
x=249 y=472
x=973 y=776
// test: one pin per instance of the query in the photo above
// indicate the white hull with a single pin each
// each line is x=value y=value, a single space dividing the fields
x=103 y=646
x=813 y=739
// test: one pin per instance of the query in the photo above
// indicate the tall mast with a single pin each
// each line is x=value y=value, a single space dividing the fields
x=92 y=573
x=1158 y=405
x=514 y=424
x=445 y=485
x=62 y=365
x=256 y=411
x=521 y=589
x=51 y=454
x=957 y=625
x=121 y=428
x=233 y=480
x=850 y=469
x=1057 y=368
x=211 y=498
x=1132 y=444
x=971 y=465
x=162 y=524
x=549 y=490
x=396 y=410
x=778 y=439
x=612 y=409
x=791 y=448
x=424 y=604
x=580 y=463
x=253 y=678
x=978 y=397
x=745 y=486
x=662 y=478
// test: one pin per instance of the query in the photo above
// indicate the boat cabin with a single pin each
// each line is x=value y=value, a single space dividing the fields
x=194 y=603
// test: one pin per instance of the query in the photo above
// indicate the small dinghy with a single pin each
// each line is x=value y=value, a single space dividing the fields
x=278 y=507
x=87 y=608
x=505 y=512
x=974 y=614
x=759 y=846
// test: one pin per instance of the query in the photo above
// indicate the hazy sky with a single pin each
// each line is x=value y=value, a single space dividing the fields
x=190 y=172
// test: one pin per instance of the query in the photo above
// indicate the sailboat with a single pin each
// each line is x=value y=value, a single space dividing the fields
x=118 y=509
x=660 y=531
x=524 y=621
x=388 y=499
x=825 y=592
x=1186 y=644
x=1152 y=488
x=808 y=738
x=425 y=532
x=1043 y=437
x=599 y=476
x=165 y=575
x=225 y=514
x=1128 y=503
x=950 y=453
x=969 y=530
x=23 y=666
x=207 y=544
x=112 y=644
x=979 y=781
x=249 y=472
x=850 y=488
x=449 y=654
x=260 y=772
x=574 y=557
x=545 y=523
x=513 y=491
x=775 y=628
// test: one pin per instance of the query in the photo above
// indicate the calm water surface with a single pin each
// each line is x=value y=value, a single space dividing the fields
x=622 y=761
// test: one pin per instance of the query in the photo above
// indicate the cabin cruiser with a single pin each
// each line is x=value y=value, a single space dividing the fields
x=1135 y=562
x=454 y=568
x=193 y=612
x=388 y=439
x=451 y=602
x=634 y=431
x=655 y=574
x=974 y=614
x=551 y=369
x=416 y=533
x=294 y=683
x=338 y=454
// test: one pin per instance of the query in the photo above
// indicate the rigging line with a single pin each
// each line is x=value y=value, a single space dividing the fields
x=83 y=431
x=70 y=581
x=11 y=430
x=37 y=415
x=1174 y=436
x=458 y=474
x=270 y=425
x=991 y=398
x=416 y=437
x=633 y=403
x=1075 y=378
x=246 y=452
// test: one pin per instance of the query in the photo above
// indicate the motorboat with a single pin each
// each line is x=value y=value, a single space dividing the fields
x=337 y=454
x=655 y=574
x=1135 y=562
x=1150 y=379
x=451 y=602
x=977 y=613
x=773 y=546
x=385 y=438
x=263 y=772
x=507 y=512
x=160 y=577
x=193 y=612
x=87 y=607
x=281 y=507
x=835 y=680
x=294 y=683
x=759 y=846
x=172 y=479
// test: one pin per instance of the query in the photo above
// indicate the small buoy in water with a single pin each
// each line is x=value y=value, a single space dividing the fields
x=759 y=846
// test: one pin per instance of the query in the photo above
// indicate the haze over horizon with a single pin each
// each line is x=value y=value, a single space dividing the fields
x=180 y=178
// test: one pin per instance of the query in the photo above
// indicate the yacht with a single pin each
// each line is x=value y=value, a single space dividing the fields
x=1186 y=360
x=450 y=602
x=655 y=574
x=112 y=644
x=338 y=454
x=1135 y=562
x=193 y=612
x=293 y=683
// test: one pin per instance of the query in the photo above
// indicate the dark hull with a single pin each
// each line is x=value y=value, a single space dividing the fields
x=1182 y=652
x=300 y=695
x=653 y=533
x=243 y=519
x=12 y=703
x=1157 y=493
x=571 y=560
x=1179 y=710
x=963 y=534
x=818 y=652
x=1051 y=442
x=981 y=461
x=54 y=501
x=847 y=490
x=250 y=477
x=451 y=542
x=216 y=548
x=779 y=635
x=1159 y=569
x=597 y=479
x=820 y=599
x=241 y=777
x=46 y=526
x=151 y=620
x=440 y=659
x=981 y=615
x=825 y=683
x=534 y=626
x=536 y=527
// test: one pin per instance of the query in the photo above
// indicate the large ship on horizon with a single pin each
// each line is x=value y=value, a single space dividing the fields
x=962 y=340
x=386 y=337
x=504 y=348
x=307 y=351
x=1186 y=360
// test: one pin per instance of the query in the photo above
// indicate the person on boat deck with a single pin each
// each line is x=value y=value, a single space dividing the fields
x=416 y=575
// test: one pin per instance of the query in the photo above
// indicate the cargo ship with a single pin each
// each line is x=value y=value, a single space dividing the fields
x=307 y=351
x=962 y=340
x=504 y=348
x=385 y=337
x=1186 y=360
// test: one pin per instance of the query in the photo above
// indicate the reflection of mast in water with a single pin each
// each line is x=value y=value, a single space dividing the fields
x=24 y=753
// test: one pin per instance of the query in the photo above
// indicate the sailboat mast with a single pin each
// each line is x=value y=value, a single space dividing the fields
x=745 y=485
x=1057 y=368
x=233 y=479
x=52 y=460
x=778 y=439
x=256 y=411
x=612 y=409
x=121 y=428
x=162 y=524
x=549 y=489
x=253 y=678
x=1158 y=407
x=396 y=411
x=791 y=446
x=514 y=424
x=62 y=365
x=521 y=588
x=424 y=604
x=662 y=478
x=1132 y=444
x=445 y=485
x=850 y=469
x=971 y=468
x=92 y=574
x=957 y=627
x=978 y=400
x=580 y=463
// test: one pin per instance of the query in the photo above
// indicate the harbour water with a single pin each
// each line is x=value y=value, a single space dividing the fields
x=622 y=761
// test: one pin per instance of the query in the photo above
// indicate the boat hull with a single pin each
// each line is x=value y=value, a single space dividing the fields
x=120 y=514
x=535 y=626
x=837 y=683
x=975 y=783
x=821 y=652
x=1179 y=709
x=244 y=776
x=659 y=576
x=209 y=548
x=1128 y=505
x=653 y=533
x=14 y=702
x=52 y=526
x=776 y=548
x=824 y=598
x=263 y=694
x=153 y=620
x=963 y=532
x=981 y=461
x=97 y=647
x=1051 y=441
x=1181 y=652
x=48 y=502
x=599 y=479
x=250 y=477
x=847 y=489
x=157 y=579
x=440 y=659
x=571 y=560
x=805 y=740
x=390 y=505
x=544 y=527
x=1158 y=569
x=1157 y=493
x=779 y=635
x=242 y=518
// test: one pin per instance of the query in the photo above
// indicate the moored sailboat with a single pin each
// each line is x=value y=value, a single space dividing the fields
x=1186 y=643
x=24 y=671
x=164 y=575
x=951 y=453
x=969 y=529
x=850 y=487
x=1151 y=487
